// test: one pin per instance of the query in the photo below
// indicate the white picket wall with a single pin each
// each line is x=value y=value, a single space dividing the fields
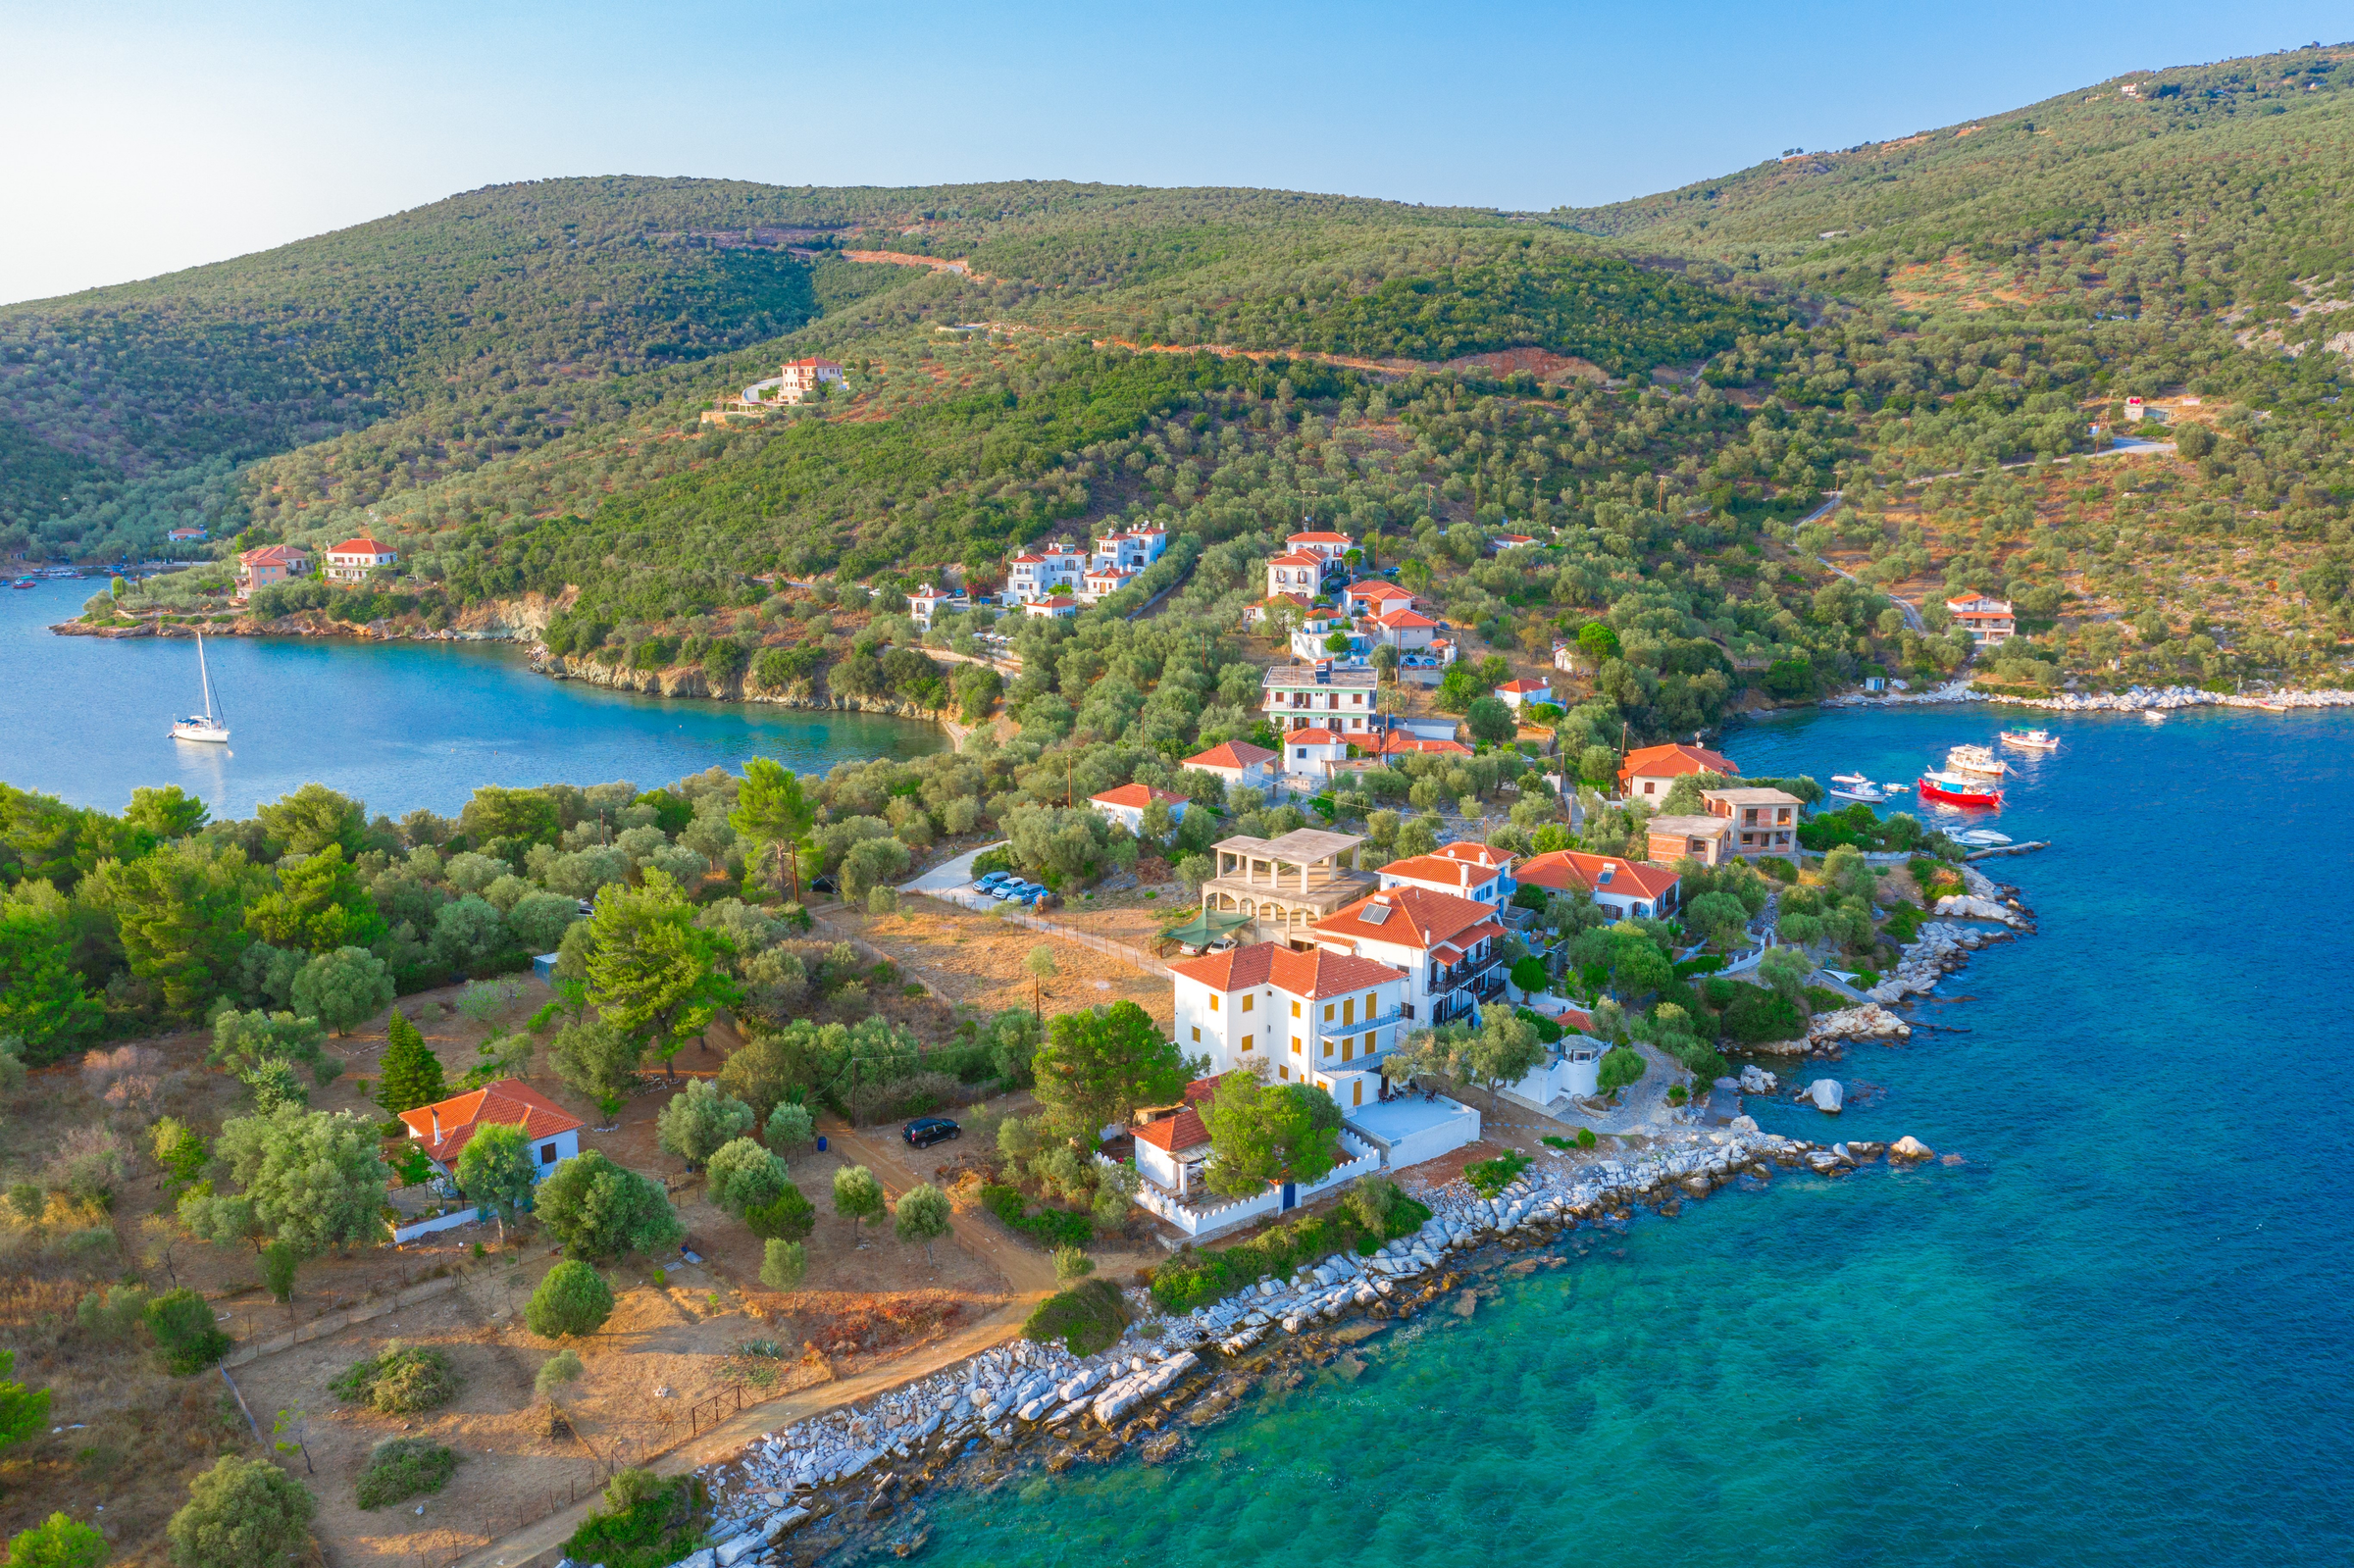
x=1362 y=1159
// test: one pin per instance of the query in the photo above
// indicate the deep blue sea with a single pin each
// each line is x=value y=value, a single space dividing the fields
x=2121 y=1333
x=399 y=724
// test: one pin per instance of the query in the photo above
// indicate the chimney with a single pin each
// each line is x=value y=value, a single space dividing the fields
x=436 y=1112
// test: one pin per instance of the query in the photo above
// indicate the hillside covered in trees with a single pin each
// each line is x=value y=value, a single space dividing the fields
x=510 y=384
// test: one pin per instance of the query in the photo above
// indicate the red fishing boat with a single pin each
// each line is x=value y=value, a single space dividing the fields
x=1957 y=789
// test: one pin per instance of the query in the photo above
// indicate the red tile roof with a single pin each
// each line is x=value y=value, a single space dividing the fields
x=1297 y=558
x=1317 y=736
x=1567 y=868
x=1315 y=973
x=1405 y=621
x=1231 y=754
x=363 y=545
x=1314 y=538
x=1524 y=687
x=1478 y=854
x=509 y=1101
x=1378 y=590
x=1447 y=870
x=1133 y=795
x=1675 y=761
x=1418 y=917
x=1173 y=1133
x=272 y=555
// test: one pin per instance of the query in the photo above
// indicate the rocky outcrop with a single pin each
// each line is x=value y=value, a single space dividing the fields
x=1826 y=1095
x=1968 y=906
x=1754 y=1079
x=1909 y=1148
x=1870 y=1021
x=688 y=681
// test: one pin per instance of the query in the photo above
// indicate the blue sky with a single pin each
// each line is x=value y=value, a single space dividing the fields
x=148 y=137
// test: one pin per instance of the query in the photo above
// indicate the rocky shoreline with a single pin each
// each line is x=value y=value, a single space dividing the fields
x=848 y=1481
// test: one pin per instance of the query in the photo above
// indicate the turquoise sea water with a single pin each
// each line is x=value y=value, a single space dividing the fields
x=399 y=724
x=2120 y=1333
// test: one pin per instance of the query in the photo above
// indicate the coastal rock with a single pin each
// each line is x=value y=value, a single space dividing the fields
x=1970 y=906
x=1909 y=1148
x=1826 y=1095
x=1754 y=1079
x=1870 y=1021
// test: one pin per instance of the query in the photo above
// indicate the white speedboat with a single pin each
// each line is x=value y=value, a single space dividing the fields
x=1854 y=787
x=1979 y=761
x=206 y=726
x=1983 y=838
x=2031 y=739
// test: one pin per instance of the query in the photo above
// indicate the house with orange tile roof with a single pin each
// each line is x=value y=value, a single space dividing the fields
x=1989 y=622
x=1404 y=628
x=1172 y=1149
x=442 y=1128
x=1326 y=545
x=1373 y=597
x=1125 y=805
x=1444 y=943
x=1518 y=694
x=1479 y=872
x=1320 y=1017
x=1237 y=763
x=1055 y=607
x=353 y=559
x=1297 y=571
x=272 y=562
x=1044 y=573
x=1648 y=771
x=1627 y=889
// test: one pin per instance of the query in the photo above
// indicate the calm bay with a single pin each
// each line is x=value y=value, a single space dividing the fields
x=399 y=724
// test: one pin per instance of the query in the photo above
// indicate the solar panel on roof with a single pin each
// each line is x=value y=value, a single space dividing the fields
x=1375 y=914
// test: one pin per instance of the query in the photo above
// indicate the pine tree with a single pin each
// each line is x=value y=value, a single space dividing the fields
x=412 y=1073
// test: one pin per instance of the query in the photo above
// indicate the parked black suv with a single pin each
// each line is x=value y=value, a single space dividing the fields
x=926 y=1130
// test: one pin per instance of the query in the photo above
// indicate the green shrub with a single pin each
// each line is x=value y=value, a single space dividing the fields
x=647 y=1523
x=399 y=1380
x=402 y=1468
x=573 y=1300
x=1586 y=1138
x=788 y=1217
x=1086 y=1318
x=1753 y=1015
x=1491 y=1177
x=1777 y=868
x=1532 y=975
x=242 y=1513
x=1051 y=1227
x=57 y=1541
x=988 y=860
x=1622 y=1065
x=1071 y=1263
x=182 y=1322
x=111 y=1313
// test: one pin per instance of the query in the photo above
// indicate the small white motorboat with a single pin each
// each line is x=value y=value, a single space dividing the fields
x=1854 y=787
x=1983 y=838
x=2031 y=739
x=1979 y=761
x=206 y=726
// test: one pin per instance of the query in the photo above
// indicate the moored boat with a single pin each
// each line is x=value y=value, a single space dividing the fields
x=206 y=726
x=1958 y=789
x=1974 y=759
x=2031 y=739
x=1854 y=787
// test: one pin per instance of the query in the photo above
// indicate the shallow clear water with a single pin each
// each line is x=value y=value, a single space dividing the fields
x=2118 y=1334
x=399 y=724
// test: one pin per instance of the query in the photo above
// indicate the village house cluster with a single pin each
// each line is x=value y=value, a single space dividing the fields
x=355 y=560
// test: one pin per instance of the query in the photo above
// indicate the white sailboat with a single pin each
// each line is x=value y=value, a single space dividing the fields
x=205 y=726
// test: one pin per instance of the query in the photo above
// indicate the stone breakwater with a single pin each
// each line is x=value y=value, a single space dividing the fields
x=2134 y=699
x=846 y=1477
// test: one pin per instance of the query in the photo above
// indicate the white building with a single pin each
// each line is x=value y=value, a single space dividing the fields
x=1316 y=696
x=1407 y=631
x=1056 y=607
x=442 y=1128
x=1312 y=752
x=1102 y=581
x=1318 y=1017
x=1375 y=597
x=928 y=602
x=1126 y=804
x=1445 y=944
x=1299 y=571
x=1044 y=573
x=1481 y=872
x=800 y=378
x=1330 y=548
x=1132 y=549
x=1238 y=762
x=353 y=559
x=1518 y=694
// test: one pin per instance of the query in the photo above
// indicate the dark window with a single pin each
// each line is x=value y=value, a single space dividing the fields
x=548 y=1153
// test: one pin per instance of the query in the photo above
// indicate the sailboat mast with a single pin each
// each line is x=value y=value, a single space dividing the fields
x=204 y=674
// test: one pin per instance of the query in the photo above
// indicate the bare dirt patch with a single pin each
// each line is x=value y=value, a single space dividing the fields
x=979 y=961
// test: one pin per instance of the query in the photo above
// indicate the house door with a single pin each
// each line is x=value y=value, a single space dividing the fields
x=1291 y=1196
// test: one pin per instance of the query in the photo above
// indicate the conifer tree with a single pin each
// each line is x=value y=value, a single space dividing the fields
x=412 y=1072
